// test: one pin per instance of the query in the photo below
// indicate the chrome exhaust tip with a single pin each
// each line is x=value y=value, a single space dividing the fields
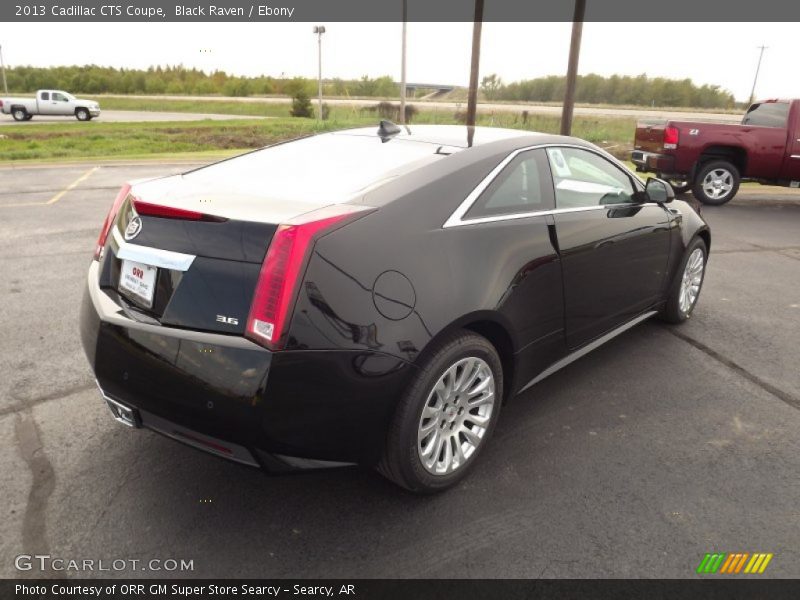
x=122 y=414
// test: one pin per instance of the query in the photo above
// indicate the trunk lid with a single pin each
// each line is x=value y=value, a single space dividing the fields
x=194 y=274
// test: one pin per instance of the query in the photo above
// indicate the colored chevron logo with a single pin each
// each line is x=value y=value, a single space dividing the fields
x=734 y=563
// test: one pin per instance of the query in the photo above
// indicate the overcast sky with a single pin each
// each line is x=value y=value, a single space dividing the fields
x=716 y=53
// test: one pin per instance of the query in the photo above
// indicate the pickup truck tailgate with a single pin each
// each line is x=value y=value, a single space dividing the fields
x=649 y=137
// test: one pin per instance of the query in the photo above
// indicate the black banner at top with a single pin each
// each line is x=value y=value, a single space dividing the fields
x=716 y=11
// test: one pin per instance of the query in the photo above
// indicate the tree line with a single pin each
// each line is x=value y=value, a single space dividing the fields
x=93 y=79
x=179 y=80
x=616 y=89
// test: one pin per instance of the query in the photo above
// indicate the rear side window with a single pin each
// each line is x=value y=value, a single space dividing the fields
x=45 y=95
x=325 y=168
x=767 y=114
x=522 y=187
x=584 y=179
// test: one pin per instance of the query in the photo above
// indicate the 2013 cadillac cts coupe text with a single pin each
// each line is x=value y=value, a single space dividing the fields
x=373 y=297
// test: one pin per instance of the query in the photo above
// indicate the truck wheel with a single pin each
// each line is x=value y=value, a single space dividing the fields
x=82 y=114
x=19 y=114
x=28 y=117
x=717 y=182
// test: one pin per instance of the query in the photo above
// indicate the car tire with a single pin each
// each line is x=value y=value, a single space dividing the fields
x=458 y=385
x=19 y=114
x=82 y=114
x=28 y=117
x=716 y=183
x=687 y=285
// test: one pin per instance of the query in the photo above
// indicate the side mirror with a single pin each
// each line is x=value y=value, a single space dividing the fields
x=658 y=190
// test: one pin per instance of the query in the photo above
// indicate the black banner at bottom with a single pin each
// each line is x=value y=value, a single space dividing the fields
x=400 y=589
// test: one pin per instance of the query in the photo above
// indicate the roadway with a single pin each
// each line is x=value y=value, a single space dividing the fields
x=128 y=116
x=531 y=107
x=116 y=116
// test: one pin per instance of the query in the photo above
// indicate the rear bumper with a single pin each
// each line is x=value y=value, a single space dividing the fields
x=133 y=417
x=650 y=162
x=309 y=408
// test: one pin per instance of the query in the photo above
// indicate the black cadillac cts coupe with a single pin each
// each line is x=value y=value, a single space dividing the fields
x=375 y=296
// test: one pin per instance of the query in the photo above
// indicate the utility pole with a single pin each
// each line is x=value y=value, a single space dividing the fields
x=3 y=68
x=319 y=30
x=758 y=68
x=403 y=67
x=572 y=69
x=472 y=97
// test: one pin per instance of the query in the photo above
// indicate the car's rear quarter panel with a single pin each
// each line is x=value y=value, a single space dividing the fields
x=506 y=272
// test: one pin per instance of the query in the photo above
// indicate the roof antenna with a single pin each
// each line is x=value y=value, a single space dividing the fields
x=387 y=130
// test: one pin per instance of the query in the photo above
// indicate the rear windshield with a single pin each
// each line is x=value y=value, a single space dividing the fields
x=322 y=167
x=767 y=114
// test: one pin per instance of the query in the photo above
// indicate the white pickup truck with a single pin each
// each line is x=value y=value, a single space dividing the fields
x=50 y=103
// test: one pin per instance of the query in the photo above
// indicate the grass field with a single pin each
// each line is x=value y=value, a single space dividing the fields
x=151 y=102
x=72 y=140
x=595 y=129
x=222 y=107
x=124 y=140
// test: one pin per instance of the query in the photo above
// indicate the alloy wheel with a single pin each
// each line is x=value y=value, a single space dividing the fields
x=692 y=280
x=718 y=183
x=456 y=416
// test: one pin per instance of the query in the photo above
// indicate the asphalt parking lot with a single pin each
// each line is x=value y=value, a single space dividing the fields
x=635 y=461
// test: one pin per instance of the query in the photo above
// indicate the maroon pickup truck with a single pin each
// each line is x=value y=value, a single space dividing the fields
x=712 y=159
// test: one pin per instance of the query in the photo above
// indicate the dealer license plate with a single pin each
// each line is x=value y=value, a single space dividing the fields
x=138 y=281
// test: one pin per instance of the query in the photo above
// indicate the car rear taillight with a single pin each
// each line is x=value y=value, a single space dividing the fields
x=671 y=135
x=110 y=217
x=283 y=269
x=147 y=209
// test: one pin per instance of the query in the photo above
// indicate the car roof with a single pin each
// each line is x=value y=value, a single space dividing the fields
x=455 y=136
x=279 y=182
